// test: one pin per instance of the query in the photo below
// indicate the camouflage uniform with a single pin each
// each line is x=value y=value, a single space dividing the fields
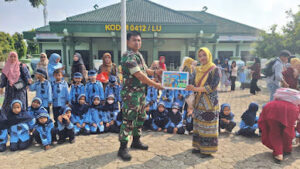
x=133 y=95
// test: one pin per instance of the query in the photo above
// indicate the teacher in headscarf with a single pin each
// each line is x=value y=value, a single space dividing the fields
x=43 y=63
x=107 y=67
x=53 y=65
x=206 y=105
x=15 y=78
x=78 y=66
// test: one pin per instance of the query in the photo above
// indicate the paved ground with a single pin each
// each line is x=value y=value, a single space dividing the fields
x=166 y=150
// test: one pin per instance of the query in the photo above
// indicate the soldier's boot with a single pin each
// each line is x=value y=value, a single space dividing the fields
x=137 y=144
x=123 y=152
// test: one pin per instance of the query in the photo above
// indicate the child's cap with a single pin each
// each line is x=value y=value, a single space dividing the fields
x=96 y=96
x=175 y=106
x=42 y=113
x=112 y=79
x=92 y=73
x=37 y=99
x=161 y=104
x=111 y=96
x=41 y=72
x=16 y=101
x=224 y=105
x=77 y=75
x=80 y=96
x=63 y=110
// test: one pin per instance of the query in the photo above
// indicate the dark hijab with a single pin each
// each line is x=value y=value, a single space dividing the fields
x=79 y=61
x=78 y=109
x=249 y=116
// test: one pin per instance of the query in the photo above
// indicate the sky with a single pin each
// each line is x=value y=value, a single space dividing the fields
x=19 y=15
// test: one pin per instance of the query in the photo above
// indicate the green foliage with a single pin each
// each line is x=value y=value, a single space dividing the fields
x=19 y=44
x=6 y=45
x=289 y=39
x=34 y=3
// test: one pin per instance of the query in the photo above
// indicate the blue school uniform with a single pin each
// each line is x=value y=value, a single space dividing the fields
x=44 y=133
x=96 y=117
x=65 y=129
x=111 y=112
x=167 y=97
x=3 y=139
x=175 y=120
x=113 y=90
x=60 y=97
x=248 y=124
x=181 y=101
x=35 y=111
x=75 y=91
x=160 y=119
x=188 y=121
x=81 y=115
x=151 y=98
x=43 y=91
x=222 y=125
x=93 y=89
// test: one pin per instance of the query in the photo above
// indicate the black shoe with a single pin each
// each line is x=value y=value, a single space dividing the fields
x=205 y=155
x=72 y=141
x=60 y=141
x=195 y=151
x=137 y=144
x=123 y=152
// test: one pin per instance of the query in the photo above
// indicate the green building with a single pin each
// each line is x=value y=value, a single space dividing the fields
x=167 y=32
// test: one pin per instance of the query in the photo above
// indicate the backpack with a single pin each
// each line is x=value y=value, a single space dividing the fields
x=268 y=70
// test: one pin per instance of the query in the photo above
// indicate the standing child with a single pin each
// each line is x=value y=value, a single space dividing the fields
x=113 y=88
x=160 y=118
x=20 y=125
x=33 y=110
x=226 y=118
x=65 y=125
x=175 y=124
x=249 y=124
x=44 y=129
x=97 y=116
x=167 y=97
x=80 y=116
x=77 y=88
x=179 y=97
x=93 y=87
x=43 y=88
x=60 y=93
x=111 y=110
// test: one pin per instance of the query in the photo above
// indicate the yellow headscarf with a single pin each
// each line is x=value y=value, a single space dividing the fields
x=188 y=63
x=201 y=70
x=295 y=61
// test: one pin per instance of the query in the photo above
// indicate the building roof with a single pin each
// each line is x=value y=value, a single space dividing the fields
x=224 y=26
x=138 y=11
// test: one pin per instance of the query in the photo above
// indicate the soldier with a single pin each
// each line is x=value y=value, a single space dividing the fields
x=135 y=80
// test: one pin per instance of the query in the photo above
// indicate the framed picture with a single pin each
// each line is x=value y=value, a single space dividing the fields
x=175 y=80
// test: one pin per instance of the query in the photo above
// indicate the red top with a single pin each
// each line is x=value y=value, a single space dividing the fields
x=288 y=76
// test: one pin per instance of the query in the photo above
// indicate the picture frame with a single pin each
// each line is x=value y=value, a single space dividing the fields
x=175 y=80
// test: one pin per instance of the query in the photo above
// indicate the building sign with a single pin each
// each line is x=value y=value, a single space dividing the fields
x=140 y=28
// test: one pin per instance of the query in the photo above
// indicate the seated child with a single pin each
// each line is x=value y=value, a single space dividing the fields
x=94 y=87
x=77 y=88
x=65 y=125
x=248 y=125
x=179 y=97
x=160 y=118
x=175 y=120
x=36 y=105
x=111 y=110
x=43 y=88
x=97 y=116
x=167 y=97
x=80 y=116
x=60 y=93
x=21 y=124
x=226 y=118
x=44 y=132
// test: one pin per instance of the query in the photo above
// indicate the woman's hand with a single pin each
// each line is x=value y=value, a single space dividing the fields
x=190 y=88
x=30 y=81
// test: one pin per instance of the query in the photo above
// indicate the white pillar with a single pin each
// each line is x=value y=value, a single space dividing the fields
x=123 y=27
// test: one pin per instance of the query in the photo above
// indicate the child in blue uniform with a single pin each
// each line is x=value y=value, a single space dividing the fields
x=167 y=97
x=60 y=93
x=94 y=87
x=113 y=88
x=151 y=98
x=44 y=132
x=21 y=124
x=179 y=97
x=248 y=124
x=80 y=116
x=36 y=105
x=175 y=124
x=97 y=116
x=160 y=118
x=77 y=88
x=43 y=88
x=226 y=118
x=65 y=125
x=111 y=109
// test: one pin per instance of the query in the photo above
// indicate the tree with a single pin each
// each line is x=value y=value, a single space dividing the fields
x=6 y=45
x=19 y=44
x=34 y=3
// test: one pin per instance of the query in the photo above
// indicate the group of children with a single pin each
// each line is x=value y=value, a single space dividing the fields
x=86 y=109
